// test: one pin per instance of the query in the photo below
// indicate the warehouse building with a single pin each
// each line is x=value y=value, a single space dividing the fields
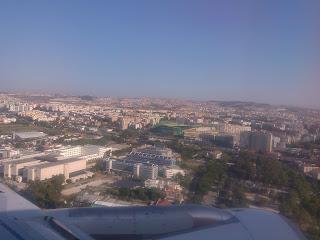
x=48 y=170
x=14 y=168
x=26 y=136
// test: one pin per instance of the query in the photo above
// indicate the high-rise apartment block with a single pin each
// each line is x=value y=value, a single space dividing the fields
x=256 y=141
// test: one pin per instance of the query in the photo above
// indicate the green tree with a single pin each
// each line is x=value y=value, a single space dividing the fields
x=46 y=194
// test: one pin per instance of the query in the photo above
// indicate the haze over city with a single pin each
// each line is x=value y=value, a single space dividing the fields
x=262 y=51
x=168 y=119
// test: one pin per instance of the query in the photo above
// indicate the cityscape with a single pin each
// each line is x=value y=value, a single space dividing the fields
x=112 y=152
x=171 y=120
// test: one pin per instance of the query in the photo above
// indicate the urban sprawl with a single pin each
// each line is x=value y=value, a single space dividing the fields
x=140 y=151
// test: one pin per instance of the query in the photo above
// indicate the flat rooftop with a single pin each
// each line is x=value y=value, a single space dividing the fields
x=30 y=135
x=51 y=164
x=20 y=161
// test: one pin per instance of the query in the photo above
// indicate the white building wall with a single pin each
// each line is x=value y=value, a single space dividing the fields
x=76 y=166
x=49 y=172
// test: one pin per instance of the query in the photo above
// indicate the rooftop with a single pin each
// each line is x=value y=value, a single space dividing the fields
x=19 y=161
x=51 y=164
x=30 y=135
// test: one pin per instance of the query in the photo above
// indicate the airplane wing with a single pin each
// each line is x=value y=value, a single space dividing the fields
x=22 y=220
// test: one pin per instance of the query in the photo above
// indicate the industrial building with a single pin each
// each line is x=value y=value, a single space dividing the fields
x=35 y=169
x=26 y=136
x=14 y=168
x=50 y=169
x=63 y=161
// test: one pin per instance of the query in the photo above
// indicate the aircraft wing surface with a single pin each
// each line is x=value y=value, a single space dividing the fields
x=22 y=220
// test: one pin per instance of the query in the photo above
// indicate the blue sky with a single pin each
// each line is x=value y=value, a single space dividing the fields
x=250 y=50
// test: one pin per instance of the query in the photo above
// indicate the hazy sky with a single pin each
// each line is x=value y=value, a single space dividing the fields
x=257 y=50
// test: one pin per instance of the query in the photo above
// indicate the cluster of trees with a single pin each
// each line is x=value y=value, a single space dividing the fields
x=144 y=194
x=259 y=168
x=213 y=173
x=232 y=194
x=302 y=203
x=214 y=176
x=298 y=196
x=127 y=135
x=46 y=194
x=187 y=151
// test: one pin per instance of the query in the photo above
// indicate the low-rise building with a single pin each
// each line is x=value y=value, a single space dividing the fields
x=170 y=172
